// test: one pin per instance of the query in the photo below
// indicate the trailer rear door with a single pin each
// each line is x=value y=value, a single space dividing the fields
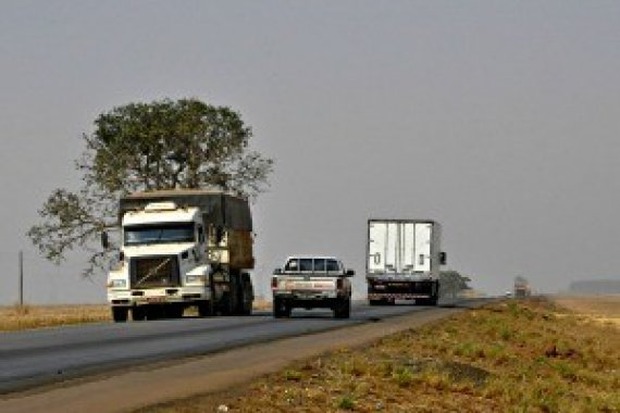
x=423 y=232
x=399 y=247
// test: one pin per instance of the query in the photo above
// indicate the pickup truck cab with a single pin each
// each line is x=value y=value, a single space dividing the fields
x=312 y=282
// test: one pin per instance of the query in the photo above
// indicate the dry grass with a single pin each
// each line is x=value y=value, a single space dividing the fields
x=27 y=317
x=515 y=356
x=599 y=308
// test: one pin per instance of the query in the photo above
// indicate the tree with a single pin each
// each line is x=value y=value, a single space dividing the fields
x=148 y=146
x=452 y=282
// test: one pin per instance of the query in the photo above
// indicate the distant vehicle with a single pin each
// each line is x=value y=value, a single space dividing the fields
x=312 y=282
x=521 y=287
x=508 y=294
x=403 y=261
x=182 y=248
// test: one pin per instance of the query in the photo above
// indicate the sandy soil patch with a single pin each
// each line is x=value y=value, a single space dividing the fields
x=600 y=308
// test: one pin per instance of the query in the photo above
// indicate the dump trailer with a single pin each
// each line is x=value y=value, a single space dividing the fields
x=403 y=261
x=180 y=249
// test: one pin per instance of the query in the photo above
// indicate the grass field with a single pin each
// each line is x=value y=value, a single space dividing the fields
x=534 y=355
x=515 y=356
x=27 y=317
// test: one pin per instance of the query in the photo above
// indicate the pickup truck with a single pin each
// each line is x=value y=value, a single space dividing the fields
x=312 y=282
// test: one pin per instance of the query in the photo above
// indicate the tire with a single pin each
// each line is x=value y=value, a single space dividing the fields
x=119 y=314
x=381 y=301
x=280 y=308
x=174 y=311
x=154 y=312
x=432 y=301
x=343 y=308
x=205 y=308
x=138 y=314
x=247 y=294
x=229 y=305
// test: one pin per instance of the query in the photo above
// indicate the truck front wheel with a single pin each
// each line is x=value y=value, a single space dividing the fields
x=119 y=314
x=138 y=314
x=205 y=308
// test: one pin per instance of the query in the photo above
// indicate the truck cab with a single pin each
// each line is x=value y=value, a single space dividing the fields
x=162 y=261
x=180 y=249
x=312 y=282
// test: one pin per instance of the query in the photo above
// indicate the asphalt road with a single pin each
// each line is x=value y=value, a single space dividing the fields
x=33 y=359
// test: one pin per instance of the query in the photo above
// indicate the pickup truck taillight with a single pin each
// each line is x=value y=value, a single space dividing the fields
x=274 y=283
x=339 y=284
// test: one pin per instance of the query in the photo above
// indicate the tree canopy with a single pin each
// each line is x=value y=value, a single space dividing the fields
x=163 y=144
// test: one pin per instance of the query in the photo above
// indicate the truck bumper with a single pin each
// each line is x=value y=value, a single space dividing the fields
x=396 y=296
x=402 y=290
x=171 y=295
x=309 y=299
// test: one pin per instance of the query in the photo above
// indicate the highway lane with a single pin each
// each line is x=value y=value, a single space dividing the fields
x=37 y=357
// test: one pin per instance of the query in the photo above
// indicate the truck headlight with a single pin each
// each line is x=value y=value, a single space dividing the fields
x=194 y=279
x=117 y=284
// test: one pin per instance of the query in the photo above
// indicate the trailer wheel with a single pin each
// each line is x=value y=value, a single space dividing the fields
x=229 y=304
x=119 y=314
x=247 y=294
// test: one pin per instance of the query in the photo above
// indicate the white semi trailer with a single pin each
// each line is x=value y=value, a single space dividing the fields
x=403 y=261
x=182 y=248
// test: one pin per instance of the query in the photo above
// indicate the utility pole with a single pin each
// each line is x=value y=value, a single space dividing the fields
x=21 y=279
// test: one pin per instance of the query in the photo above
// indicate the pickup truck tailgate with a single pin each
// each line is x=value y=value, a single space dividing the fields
x=307 y=284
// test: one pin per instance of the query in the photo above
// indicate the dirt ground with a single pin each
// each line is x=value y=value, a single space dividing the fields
x=599 y=308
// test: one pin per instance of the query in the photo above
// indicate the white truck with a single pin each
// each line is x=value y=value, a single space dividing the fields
x=312 y=282
x=403 y=261
x=182 y=248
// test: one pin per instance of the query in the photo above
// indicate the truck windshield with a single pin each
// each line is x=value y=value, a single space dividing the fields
x=159 y=234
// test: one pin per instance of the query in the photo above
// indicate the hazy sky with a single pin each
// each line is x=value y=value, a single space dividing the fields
x=498 y=119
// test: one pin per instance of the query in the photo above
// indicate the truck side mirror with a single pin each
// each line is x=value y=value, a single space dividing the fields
x=443 y=258
x=277 y=271
x=105 y=242
x=350 y=273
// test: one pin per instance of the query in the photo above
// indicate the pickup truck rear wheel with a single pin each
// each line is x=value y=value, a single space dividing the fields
x=281 y=308
x=343 y=308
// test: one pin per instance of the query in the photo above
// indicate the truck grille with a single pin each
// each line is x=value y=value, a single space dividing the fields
x=154 y=272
